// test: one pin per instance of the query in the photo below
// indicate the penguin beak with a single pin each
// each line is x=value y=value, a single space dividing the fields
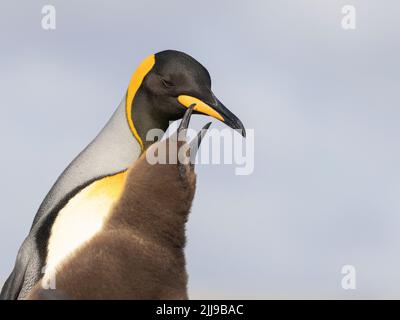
x=196 y=142
x=194 y=145
x=213 y=107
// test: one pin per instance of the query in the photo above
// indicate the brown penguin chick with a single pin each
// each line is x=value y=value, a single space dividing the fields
x=139 y=253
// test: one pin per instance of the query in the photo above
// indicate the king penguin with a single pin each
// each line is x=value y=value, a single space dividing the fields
x=140 y=251
x=161 y=89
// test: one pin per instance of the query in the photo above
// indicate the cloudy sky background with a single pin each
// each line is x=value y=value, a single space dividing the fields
x=324 y=104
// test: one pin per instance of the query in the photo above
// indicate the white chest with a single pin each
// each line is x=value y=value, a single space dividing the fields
x=82 y=217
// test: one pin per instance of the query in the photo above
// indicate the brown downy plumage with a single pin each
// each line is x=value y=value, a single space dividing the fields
x=139 y=254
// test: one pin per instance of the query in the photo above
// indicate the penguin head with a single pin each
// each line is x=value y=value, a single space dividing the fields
x=171 y=82
x=168 y=185
x=178 y=81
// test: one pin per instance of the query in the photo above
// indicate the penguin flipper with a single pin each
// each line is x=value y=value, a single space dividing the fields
x=13 y=285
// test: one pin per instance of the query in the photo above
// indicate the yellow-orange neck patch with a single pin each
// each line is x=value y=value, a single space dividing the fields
x=82 y=218
x=136 y=80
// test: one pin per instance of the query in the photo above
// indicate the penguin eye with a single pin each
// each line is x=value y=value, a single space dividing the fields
x=167 y=83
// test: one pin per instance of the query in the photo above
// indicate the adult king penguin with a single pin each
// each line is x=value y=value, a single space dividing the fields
x=160 y=90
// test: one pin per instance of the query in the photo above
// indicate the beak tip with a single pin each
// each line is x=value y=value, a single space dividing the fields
x=207 y=126
x=239 y=127
x=243 y=132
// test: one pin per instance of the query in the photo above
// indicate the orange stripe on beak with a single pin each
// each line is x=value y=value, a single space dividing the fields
x=200 y=106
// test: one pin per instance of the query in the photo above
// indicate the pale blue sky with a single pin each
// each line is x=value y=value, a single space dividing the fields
x=324 y=104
